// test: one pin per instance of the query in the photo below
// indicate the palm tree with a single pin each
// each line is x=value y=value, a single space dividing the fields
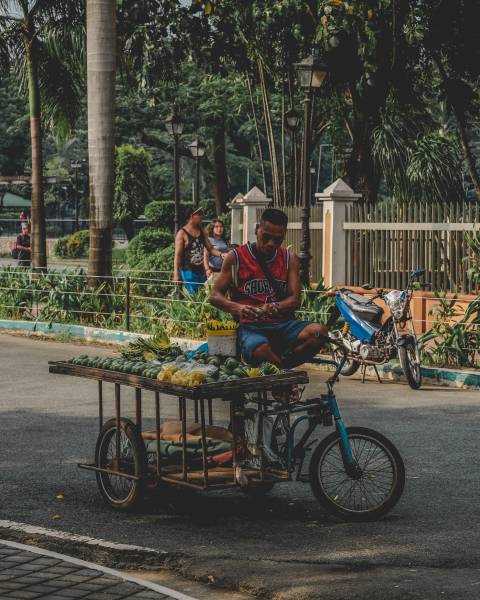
x=101 y=69
x=35 y=38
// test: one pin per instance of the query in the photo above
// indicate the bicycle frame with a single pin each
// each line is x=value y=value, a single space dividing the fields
x=320 y=411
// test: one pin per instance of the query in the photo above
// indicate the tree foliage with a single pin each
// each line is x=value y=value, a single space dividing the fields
x=132 y=185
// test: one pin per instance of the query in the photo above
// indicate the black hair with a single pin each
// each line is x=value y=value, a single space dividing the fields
x=275 y=217
x=189 y=212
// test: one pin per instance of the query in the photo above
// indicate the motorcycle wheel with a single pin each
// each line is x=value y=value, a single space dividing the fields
x=349 y=368
x=411 y=366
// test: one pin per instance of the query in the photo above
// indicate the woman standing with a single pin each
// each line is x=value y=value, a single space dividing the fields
x=213 y=264
x=190 y=245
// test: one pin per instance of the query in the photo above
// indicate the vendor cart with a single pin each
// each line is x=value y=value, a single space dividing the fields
x=355 y=473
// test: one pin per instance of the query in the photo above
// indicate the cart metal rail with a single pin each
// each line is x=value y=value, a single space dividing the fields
x=201 y=397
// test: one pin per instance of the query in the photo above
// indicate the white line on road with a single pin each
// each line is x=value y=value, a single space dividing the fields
x=72 y=537
x=88 y=565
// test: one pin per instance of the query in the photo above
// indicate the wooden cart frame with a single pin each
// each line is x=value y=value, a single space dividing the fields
x=201 y=397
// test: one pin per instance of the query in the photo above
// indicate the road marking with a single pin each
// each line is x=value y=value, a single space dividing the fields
x=88 y=565
x=72 y=537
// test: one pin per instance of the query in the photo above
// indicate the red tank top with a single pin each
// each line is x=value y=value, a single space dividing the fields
x=251 y=286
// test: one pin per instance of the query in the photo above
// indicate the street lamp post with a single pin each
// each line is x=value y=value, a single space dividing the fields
x=75 y=165
x=291 y=123
x=311 y=73
x=174 y=126
x=197 y=150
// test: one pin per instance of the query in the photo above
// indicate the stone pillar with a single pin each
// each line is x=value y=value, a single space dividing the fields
x=254 y=202
x=335 y=199
x=236 y=232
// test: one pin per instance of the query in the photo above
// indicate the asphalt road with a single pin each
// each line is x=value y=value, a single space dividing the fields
x=284 y=547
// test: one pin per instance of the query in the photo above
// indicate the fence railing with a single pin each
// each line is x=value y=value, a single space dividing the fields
x=294 y=235
x=144 y=302
x=386 y=242
x=60 y=227
x=132 y=300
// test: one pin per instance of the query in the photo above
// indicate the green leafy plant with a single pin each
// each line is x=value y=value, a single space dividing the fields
x=316 y=305
x=454 y=339
x=473 y=259
x=132 y=185
x=147 y=242
x=75 y=245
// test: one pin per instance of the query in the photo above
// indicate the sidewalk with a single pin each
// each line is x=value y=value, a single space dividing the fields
x=29 y=572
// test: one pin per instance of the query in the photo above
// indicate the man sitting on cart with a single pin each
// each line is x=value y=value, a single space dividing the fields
x=259 y=285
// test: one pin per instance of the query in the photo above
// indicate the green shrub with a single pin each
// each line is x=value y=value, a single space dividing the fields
x=160 y=260
x=160 y=213
x=147 y=242
x=75 y=245
x=132 y=185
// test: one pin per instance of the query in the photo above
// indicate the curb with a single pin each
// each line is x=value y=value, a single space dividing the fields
x=431 y=375
x=16 y=526
x=89 y=334
x=161 y=589
x=92 y=334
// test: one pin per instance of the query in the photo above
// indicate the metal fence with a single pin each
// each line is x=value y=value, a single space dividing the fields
x=60 y=227
x=294 y=235
x=131 y=300
x=386 y=241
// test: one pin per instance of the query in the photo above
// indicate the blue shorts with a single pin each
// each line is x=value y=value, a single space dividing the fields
x=192 y=280
x=281 y=336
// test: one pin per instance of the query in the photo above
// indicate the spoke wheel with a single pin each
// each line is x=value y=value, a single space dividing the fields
x=119 y=492
x=408 y=356
x=350 y=367
x=370 y=493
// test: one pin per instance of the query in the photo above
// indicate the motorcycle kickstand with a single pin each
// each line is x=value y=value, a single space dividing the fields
x=364 y=370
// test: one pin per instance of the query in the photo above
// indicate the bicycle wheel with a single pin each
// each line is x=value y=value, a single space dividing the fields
x=119 y=492
x=370 y=493
x=408 y=357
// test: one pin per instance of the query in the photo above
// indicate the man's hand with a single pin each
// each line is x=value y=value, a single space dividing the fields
x=245 y=312
x=272 y=309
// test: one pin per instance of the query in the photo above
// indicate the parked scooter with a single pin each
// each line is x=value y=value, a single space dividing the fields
x=368 y=341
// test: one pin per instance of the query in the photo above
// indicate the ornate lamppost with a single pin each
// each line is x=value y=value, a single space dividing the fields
x=77 y=165
x=291 y=123
x=197 y=150
x=311 y=74
x=174 y=126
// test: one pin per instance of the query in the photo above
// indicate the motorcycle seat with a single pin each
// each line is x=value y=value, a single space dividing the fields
x=363 y=307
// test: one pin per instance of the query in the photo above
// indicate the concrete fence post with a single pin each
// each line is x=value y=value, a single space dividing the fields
x=245 y=222
x=335 y=199
x=236 y=232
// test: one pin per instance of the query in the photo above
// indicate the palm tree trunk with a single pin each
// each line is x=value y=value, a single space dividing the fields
x=101 y=68
x=39 y=244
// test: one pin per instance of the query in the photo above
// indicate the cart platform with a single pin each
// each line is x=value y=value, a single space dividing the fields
x=221 y=390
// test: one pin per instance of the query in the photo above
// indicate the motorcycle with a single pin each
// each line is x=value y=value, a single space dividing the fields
x=368 y=341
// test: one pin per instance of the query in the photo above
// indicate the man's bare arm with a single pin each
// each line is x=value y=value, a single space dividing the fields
x=177 y=259
x=292 y=301
x=218 y=296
